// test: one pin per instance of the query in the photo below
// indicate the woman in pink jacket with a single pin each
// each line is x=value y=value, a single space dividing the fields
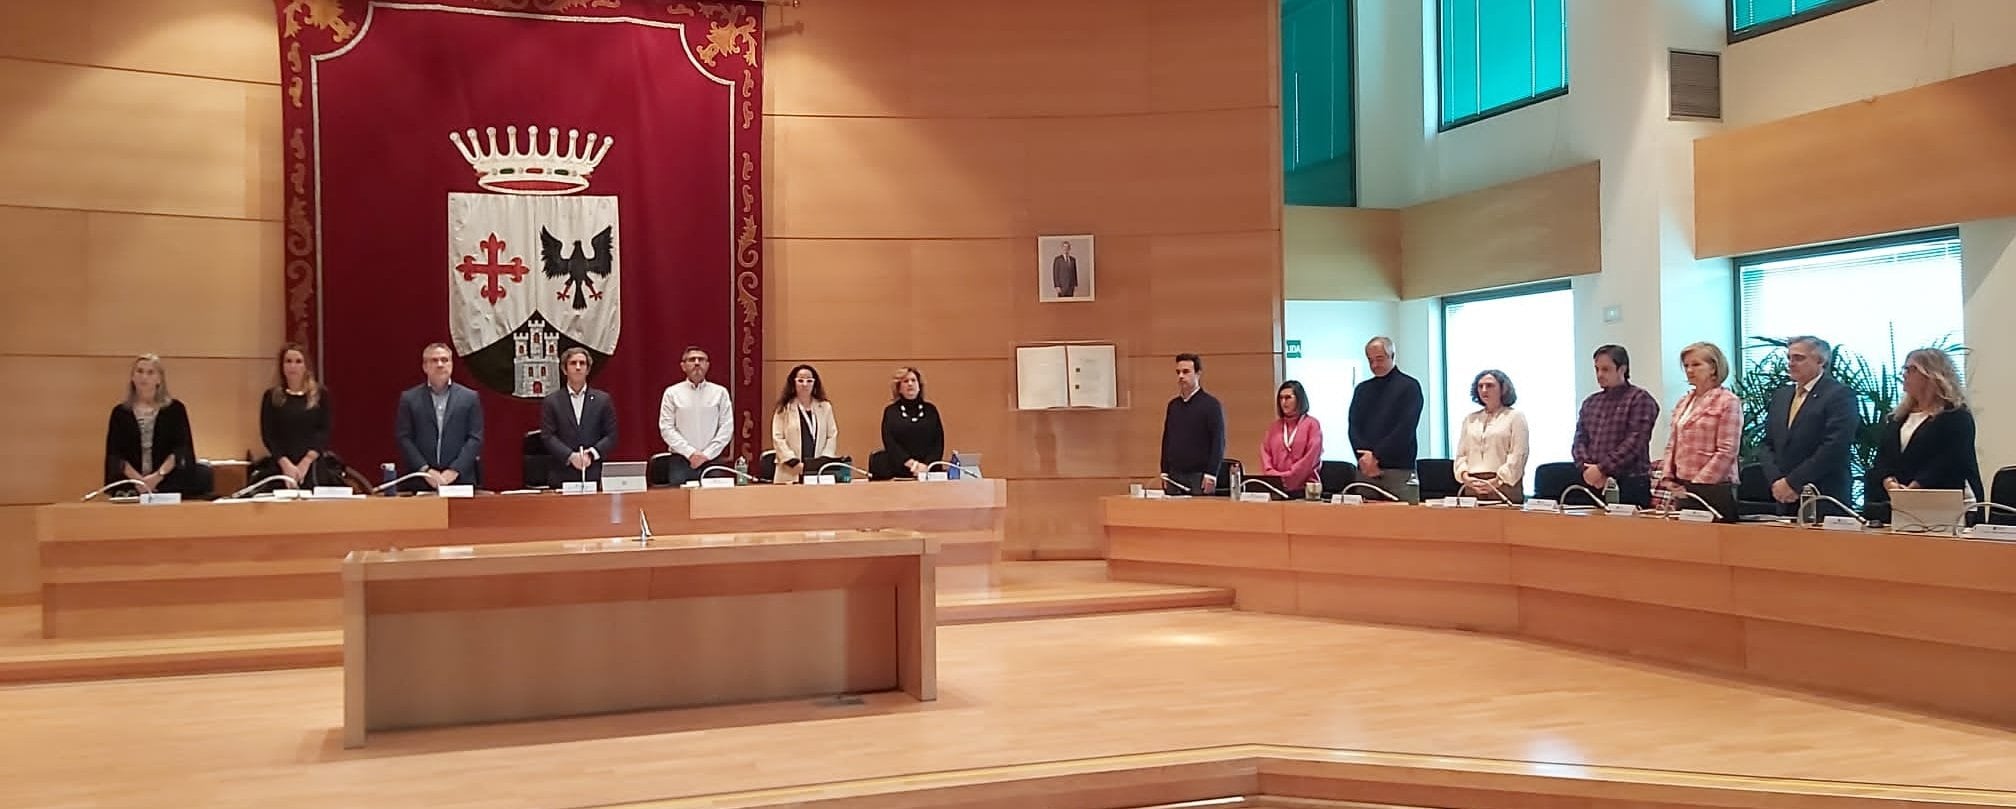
x=1294 y=445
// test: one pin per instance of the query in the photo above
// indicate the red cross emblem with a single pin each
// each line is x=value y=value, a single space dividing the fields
x=492 y=248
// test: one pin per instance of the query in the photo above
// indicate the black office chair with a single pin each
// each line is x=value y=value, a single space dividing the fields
x=538 y=465
x=1753 y=492
x=881 y=468
x=1336 y=475
x=765 y=469
x=2002 y=489
x=1225 y=477
x=1551 y=479
x=1438 y=478
x=658 y=470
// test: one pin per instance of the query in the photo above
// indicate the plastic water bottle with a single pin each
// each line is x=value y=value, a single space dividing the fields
x=741 y=470
x=952 y=472
x=1237 y=473
x=1413 y=493
x=391 y=473
x=1610 y=492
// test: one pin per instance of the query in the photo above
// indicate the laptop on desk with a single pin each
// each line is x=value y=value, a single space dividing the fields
x=1927 y=511
x=623 y=476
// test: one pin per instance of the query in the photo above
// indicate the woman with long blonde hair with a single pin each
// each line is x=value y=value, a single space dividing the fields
x=1928 y=441
x=147 y=438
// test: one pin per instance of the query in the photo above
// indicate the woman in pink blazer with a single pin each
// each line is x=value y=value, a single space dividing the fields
x=1294 y=445
x=1707 y=423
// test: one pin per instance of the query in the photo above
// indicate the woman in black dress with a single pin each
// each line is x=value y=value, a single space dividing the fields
x=294 y=425
x=148 y=439
x=913 y=437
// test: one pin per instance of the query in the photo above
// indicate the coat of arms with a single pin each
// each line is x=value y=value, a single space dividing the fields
x=535 y=267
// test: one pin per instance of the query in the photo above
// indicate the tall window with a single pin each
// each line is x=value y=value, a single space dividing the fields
x=1318 y=158
x=1529 y=333
x=1749 y=18
x=1876 y=299
x=1499 y=55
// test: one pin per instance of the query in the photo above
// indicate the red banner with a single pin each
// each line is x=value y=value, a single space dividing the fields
x=516 y=178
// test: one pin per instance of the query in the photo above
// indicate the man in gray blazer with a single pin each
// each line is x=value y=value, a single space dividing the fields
x=1811 y=427
x=440 y=424
x=577 y=424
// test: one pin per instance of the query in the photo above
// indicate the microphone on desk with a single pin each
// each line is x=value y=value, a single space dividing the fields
x=730 y=470
x=262 y=482
x=1595 y=497
x=844 y=465
x=1359 y=484
x=1270 y=486
x=643 y=527
x=964 y=470
x=398 y=480
x=109 y=487
x=1174 y=482
x=1697 y=498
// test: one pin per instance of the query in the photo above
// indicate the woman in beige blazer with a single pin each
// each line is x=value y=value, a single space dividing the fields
x=803 y=427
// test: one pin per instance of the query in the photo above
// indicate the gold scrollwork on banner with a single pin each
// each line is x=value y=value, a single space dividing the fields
x=729 y=31
x=748 y=97
x=294 y=57
x=552 y=5
x=745 y=294
x=324 y=14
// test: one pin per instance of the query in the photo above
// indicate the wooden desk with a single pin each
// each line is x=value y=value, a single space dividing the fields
x=1917 y=620
x=534 y=630
x=112 y=570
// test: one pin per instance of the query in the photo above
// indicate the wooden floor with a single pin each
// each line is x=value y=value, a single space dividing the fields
x=1011 y=693
x=1024 y=590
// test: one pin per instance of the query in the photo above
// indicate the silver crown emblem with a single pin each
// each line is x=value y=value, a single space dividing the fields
x=550 y=171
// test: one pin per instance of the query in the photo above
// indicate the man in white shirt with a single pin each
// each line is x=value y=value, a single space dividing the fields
x=696 y=418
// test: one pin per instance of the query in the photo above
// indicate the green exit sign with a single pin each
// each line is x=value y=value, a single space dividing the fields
x=1294 y=349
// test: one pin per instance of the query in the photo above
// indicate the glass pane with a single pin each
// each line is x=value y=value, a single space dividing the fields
x=1541 y=364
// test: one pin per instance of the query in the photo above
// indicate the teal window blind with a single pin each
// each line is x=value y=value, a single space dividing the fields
x=1499 y=55
x=1319 y=160
x=1749 y=18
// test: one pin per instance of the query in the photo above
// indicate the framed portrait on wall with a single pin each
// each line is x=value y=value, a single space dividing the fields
x=1064 y=268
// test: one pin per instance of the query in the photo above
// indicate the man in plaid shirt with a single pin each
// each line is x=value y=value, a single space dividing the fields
x=1613 y=436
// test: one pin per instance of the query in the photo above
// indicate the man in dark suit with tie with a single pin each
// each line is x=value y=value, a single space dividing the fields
x=576 y=423
x=1811 y=427
x=1064 y=273
x=440 y=424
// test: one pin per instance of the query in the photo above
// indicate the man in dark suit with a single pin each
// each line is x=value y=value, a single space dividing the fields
x=576 y=423
x=1811 y=427
x=1064 y=273
x=440 y=423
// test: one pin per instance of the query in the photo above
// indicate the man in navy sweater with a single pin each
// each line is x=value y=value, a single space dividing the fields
x=1193 y=432
x=1385 y=413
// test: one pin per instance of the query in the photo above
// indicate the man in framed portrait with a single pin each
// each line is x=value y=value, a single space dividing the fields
x=1064 y=272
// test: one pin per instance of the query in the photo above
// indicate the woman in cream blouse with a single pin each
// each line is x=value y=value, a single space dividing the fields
x=1491 y=452
x=803 y=428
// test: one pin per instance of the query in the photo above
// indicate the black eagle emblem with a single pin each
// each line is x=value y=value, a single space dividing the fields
x=578 y=269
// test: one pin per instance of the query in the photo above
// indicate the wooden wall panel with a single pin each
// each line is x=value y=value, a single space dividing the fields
x=1210 y=54
x=1015 y=59
x=1058 y=518
x=1972 y=682
x=223 y=39
x=1340 y=254
x=56 y=439
x=895 y=178
x=1543 y=227
x=1934 y=155
x=110 y=140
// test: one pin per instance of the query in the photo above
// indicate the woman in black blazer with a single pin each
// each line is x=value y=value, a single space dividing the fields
x=294 y=425
x=913 y=437
x=148 y=438
x=1928 y=441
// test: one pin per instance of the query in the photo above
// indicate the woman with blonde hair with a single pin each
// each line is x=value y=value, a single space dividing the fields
x=1707 y=424
x=913 y=436
x=1928 y=441
x=147 y=438
x=294 y=424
